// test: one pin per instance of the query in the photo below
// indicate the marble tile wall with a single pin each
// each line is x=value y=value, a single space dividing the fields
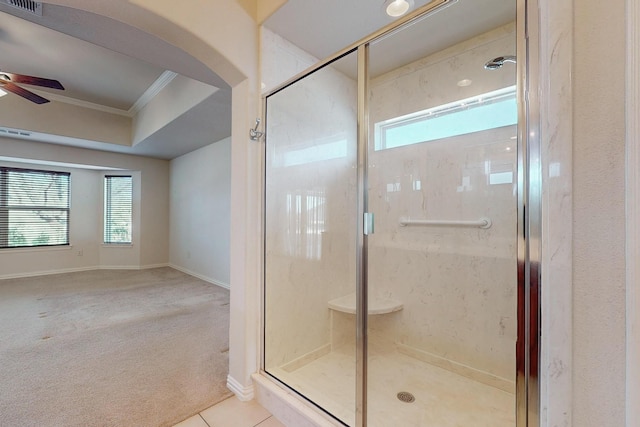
x=458 y=285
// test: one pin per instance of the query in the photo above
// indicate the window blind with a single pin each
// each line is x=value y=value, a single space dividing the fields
x=34 y=208
x=118 y=198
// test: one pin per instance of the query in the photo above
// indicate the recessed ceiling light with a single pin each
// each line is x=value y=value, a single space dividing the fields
x=464 y=82
x=396 y=8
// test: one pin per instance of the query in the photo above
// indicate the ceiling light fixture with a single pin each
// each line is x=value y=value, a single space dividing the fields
x=396 y=8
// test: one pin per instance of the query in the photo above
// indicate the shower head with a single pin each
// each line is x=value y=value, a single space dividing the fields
x=498 y=62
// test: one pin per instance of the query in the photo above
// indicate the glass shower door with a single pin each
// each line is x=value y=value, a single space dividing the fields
x=442 y=262
x=310 y=237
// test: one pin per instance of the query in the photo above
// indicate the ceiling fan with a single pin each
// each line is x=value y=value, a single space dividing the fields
x=8 y=83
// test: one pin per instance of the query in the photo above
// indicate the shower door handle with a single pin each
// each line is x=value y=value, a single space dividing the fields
x=368 y=223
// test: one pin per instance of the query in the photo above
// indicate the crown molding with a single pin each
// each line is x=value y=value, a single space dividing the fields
x=80 y=103
x=161 y=82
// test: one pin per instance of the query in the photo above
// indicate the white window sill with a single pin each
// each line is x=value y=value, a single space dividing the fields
x=36 y=249
x=117 y=245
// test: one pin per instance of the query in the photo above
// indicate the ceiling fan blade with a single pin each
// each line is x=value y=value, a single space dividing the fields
x=10 y=87
x=35 y=81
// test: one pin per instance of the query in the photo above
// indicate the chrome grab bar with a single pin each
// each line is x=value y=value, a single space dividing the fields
x=483 y=222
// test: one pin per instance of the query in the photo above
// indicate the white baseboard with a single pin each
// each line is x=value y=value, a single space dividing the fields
x=115 y=267
x=47 y=272
x=243 y=393
x=200 y=276
x=132 y=267
x=78 y=269
x=118 y=267
x=150 y=266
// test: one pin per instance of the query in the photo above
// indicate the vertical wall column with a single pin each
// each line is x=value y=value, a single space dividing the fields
x=245 y=247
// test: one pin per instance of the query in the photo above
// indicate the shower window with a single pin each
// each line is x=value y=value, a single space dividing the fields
x=482 y=112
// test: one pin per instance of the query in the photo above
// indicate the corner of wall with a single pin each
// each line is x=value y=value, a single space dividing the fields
x=244 y=393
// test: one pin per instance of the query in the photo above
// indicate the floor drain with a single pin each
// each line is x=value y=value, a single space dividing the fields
x=406 y=397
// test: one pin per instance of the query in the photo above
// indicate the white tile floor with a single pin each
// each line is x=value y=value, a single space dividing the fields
x=233 y=413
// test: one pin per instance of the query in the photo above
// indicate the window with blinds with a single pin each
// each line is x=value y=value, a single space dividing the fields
x=34 y=208
x=118 y=199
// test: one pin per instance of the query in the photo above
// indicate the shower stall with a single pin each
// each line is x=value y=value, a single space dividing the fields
x=394 y=259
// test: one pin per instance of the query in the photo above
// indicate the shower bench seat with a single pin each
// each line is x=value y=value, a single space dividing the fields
x=377 y=305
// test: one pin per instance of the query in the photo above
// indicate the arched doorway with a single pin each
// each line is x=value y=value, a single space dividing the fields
x=217 y=44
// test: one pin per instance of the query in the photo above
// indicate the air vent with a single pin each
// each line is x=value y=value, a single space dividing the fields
x=14 y=132
x=34 y=7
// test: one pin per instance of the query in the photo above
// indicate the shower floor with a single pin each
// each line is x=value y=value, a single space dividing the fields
x=442 y=398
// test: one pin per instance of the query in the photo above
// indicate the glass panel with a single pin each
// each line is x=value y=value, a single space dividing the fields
x=442 y=276
x=310 y=214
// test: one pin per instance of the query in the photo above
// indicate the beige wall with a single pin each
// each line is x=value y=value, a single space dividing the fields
x=260 y=9
x=174 y=100
x=599 y=214
x=201 y=212
x=57 y=118
x=151 y=212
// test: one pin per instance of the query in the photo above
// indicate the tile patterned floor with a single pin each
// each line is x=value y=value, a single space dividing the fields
x=233 y=413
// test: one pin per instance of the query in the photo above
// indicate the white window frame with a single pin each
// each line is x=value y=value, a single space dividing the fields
x=106 y=234
x=6 y=207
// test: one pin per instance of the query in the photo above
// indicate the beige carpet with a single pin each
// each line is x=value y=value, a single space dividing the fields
x=111 y=348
